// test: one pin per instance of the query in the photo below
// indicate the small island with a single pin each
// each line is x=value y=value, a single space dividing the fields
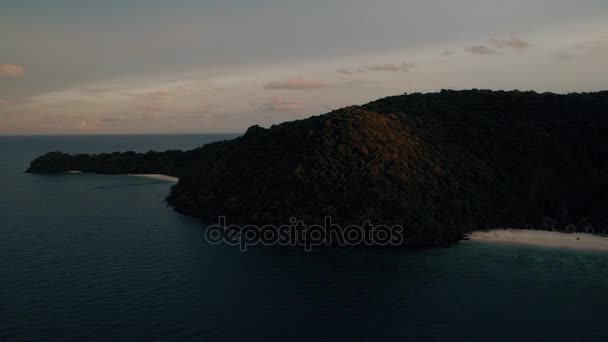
x=441 y=164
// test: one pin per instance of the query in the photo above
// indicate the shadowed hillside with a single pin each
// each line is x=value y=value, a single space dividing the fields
x=440 y=164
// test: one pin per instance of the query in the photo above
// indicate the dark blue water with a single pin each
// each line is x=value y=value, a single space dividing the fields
x=82 y=263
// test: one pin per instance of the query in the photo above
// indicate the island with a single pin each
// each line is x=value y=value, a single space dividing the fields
x=441 y=164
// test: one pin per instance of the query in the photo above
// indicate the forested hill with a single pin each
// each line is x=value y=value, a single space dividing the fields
x=440 y=163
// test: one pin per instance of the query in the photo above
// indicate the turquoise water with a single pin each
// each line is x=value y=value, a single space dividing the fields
x=84 y=263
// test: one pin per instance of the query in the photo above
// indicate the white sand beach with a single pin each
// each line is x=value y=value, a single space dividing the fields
x=542 y=238
x=144 y=175
x=157 y=177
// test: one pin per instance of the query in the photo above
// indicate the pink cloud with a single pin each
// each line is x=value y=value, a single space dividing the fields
x=11 y=70
x=297 y=83
x=482 y=50
x=515 y=43
x=86 y=126
x=278 y=104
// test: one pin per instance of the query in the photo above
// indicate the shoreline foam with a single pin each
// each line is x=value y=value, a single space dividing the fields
x=581 y=241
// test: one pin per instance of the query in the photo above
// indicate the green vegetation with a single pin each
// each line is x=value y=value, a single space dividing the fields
x=441 y=164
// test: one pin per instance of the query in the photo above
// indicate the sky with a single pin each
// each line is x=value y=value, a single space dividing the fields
x=205 y=66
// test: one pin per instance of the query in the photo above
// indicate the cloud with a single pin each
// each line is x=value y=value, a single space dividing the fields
x=198 y=116
x=481 y=50
x=344 y=71
x=387 y=67
x=565 y=56
x=592 y=45
x=95 y=90
x=296 y=83
x=86 y=126
x=514 y=42
x=148 y=107
x=403 y=67
x=110 y=119
x=11 y=70
x=161 y=94
x=590 y=49
x=447 y=53
x=278 y=104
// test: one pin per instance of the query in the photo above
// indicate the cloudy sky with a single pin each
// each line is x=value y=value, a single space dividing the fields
x=148 y=66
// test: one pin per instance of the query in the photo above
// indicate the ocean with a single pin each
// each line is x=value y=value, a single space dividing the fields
x=84 y=258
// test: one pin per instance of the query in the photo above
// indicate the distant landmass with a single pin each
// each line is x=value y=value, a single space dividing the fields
x=441 y=164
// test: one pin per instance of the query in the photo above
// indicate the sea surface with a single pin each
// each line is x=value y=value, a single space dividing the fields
x=83 y=258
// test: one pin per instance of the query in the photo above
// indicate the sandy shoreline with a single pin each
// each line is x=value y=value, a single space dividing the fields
x=582 y=241
x=144 y=175
x=156 y=176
